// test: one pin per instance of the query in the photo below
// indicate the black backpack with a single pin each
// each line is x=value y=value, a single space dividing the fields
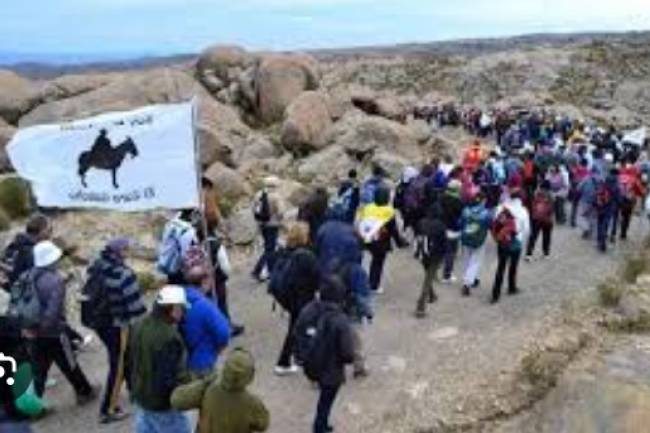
x=262 y=208
x=312 y=345
x=95 y=303
x=281 y=282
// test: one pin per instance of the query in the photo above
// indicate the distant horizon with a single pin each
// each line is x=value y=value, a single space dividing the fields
x=136 y=28
x=64 y=58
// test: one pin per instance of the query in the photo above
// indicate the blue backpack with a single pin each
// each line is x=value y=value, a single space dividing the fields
x=341 y=207
x=368 y=191
x=474 y=231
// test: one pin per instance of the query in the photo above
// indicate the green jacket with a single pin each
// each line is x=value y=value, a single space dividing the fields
x=225 y=405
x=158 y=362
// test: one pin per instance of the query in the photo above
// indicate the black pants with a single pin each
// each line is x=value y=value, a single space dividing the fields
x=575 y=202
x=624 y=217
x=506 y=256
x=270 y=236
x=58 y=349
x=325 y=403
x=222 y=298
x=376 y=269
x=287 y=347
x=560 y=210
x=115 y=340
x=546 y=230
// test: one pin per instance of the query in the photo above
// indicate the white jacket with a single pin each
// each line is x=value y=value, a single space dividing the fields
x=522 y=217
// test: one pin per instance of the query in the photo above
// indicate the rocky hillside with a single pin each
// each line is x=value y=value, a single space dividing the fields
x=293 y=115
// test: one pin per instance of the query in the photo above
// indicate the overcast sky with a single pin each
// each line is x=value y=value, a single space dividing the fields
x=173 y=26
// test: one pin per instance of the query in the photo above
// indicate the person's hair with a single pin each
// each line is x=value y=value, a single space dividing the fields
x=382 y=196
x=516 y=193
x=163 y=311
x=435 y=162
x=352 y=174
x=448 y=159
x=206 y=183
x=37 y=224
x=298 y=235
x=584 y=162
x=378 y=171
x=546 y=185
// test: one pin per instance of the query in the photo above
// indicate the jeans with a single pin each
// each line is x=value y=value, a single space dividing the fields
x=506 y=256
x=473 y=262
x=115 y=340
x=171 y=421
x=324 y=408
x=428 y=294
x=57 y=349
x=560 y=210
x=15 y=427
x=450 y=257
x=546 y=230
x=287 y=347
x=604 y=220
x=270 y=236
x=376 y=269
x=574 y=211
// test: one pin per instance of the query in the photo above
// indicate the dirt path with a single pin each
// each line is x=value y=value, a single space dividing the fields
x=420 y=370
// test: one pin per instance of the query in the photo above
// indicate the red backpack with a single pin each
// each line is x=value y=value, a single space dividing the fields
x=542 y=208
x=504 y=227
x=603 y=196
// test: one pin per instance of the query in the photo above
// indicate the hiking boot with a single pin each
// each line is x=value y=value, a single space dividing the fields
x=237 y=330
x=465 y=291
x=84 y=399
x=117 y=416
x=494 y=301
x=514 y=291
x=329 y=429
x=280 y=370
x=360 y=372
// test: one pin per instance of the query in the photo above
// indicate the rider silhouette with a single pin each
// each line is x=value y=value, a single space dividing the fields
x=102 y=146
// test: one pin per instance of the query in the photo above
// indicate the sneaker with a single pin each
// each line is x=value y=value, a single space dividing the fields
x=379 y=291
x=451 y=280
x=117 y=416
x=465 y=291
x=84 y=399
x=51 y=383
x=528 y=259
x=514 y=291
x=360 y=372
x=285 y=371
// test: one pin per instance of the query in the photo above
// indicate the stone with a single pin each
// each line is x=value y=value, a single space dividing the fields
x=335 y=158
x=281 y=79
x=221 y=63
x=228 y=183
x=307 y=123
x=6 y=132
x=241 y=227
x=17 y=96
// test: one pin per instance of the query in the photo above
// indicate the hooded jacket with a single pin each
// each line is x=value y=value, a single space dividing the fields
x=522 y=217
x=51 y=291
x=225 y=404
x=205 y=330
x=19 y=255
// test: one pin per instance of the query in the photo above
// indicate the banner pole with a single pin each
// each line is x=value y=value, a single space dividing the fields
x=199 y=185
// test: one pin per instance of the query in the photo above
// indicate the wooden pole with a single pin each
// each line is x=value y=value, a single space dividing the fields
x=199 y=185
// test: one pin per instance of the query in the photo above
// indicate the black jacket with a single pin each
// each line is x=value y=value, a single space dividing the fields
x=452 y=208
x=305 y=277
x=340 y=340
x=19 y=255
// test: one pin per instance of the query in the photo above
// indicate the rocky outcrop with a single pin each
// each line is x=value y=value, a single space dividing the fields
x=229 y=184
x=69 y=86
x=220 y=65
x=307 y=123
x=6 y=132
x=241 y=227
x=281 y=79
x=17 y=96
x=336 y=161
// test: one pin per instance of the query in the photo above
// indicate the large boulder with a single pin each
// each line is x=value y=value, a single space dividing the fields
x=156 y=86
x=69 y=86
x=229 y=184
x=218 y=66
x=241 y=227
x=281 y=79
x=326 y=166
x=307 y=122
x=362 y=136
x=17 y=96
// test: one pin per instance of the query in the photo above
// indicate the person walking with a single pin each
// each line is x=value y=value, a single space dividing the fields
x=349 y=197
x=606 y=203
x=224 y=403
x=268 y=215
x=452 y=207
x=159 y=364
x=542 y=219
x=325 y=321
x=119 y=284
x=431 y=247
x=48 y=340
x=179 y=235
x=299 y=280
x=510 y=227
x=475 y=226
x=579 y=173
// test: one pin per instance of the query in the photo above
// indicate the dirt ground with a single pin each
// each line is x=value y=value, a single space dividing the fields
x=420 y=369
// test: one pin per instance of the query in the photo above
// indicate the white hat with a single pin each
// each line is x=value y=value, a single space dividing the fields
x=46 y=254
x=171 y=295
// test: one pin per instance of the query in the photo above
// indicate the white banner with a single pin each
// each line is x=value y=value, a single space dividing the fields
x=130 y=161
x=637 y=137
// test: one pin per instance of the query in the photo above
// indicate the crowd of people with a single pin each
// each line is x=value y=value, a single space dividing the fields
x=542 y=171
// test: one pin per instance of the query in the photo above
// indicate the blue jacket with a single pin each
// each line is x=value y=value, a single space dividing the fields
x=337 y=240
x=205 y=330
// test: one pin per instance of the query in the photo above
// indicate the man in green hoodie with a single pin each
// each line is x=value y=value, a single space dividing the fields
x=225 y=405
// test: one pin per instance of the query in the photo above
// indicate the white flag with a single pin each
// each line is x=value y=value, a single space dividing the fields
x=130 y=161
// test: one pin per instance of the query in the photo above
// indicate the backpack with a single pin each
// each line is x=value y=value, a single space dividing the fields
x=281 y=284
x=170 y=255
x=529 y=170
x=262 y=208
x=312 y=348
x=414 y=196
x=542 y=209
x=341 y=207
x=95 y=304
x=474 y=232
x=432 y=239
x=603 y=195
x=25 y=305
x=368 y=191
x=504 y=228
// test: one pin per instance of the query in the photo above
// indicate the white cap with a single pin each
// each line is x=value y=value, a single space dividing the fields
x=171 y=295
x=609 y=157
x=46 y=254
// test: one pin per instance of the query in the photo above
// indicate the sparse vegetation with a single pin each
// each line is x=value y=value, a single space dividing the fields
x=226 y=205
x=15 y=198
x=633 y=266
x=610 y=292
x=148 y=282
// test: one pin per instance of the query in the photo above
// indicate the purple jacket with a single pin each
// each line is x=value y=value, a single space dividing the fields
x=51 y=290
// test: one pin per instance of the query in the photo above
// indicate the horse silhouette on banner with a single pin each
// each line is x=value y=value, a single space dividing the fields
x=103 y=156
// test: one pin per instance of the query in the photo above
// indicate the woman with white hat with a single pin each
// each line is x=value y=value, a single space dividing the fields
x=49 y=340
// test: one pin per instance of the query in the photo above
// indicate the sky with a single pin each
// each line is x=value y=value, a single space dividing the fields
x=154 y=27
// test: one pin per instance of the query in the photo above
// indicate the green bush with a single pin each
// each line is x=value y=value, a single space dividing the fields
x=610 y=292
x=15 y=197
x=148 y=282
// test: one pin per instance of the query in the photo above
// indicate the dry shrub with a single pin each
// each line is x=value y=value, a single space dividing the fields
x=15 y=198
x=610 y=292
